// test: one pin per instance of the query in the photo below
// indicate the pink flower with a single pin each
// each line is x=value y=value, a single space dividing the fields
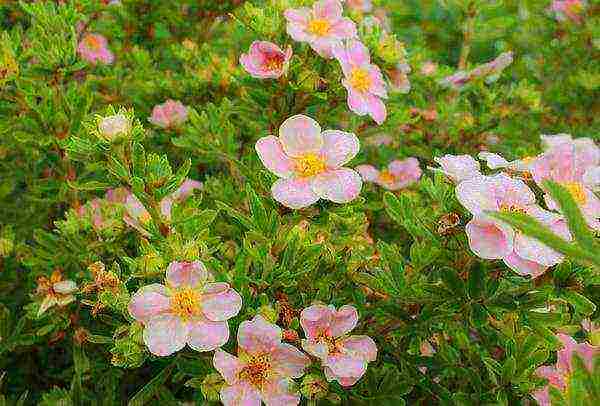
x=266 y=60
x=398 y=175
x=263 y=368
x=310 y=163
x=191 y=309
x=493 y=239
x=573 y=164
x=322 y=26
x=458 y=167
x=344 y=358
x=569 y=10
x=558 y=375
x=363 y=81
x=428 y=68
x=94 y=48
x=360 y=5
x=495 y=161
x=170 y=114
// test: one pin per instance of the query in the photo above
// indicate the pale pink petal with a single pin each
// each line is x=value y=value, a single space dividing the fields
x=240 y=394
x=228 y=366
x=289 y=361
x=591 y=178
x=339 y=147
x=215 y=288
x=343 y=365
x=206 y=335
x=564 y=355
x=271 y=154
x=523 y=266
x=340 y=53
x=358 y=53
x=493 y=161
x=149 y=301
x=368 y=172
x=362 y=347
x=489 y=240
x=165 y=334
x=327 y=9
x=376 y=108
x=186 y=189
x=542 y=396
x=377 y=83
x=298 y=15
x=221 y=306
x=315 y=319
x=187 y=274
x=339 y=186
x=458 y=167
x=357 y=102
x=343 y=28
x=300 y=135
x=553 y=375
x=278 y=393
x=344 y=320
x=258 y=335
x=294 y=193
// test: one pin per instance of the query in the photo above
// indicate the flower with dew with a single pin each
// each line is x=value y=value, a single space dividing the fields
x=170 y=114
x=114 y=126
x=398 y=174
x=572 y=10
x=94 y=48
x=572 y=164
x=54 y=291
x=458 y=167
x=266 y=60
x=190 y=309
x=558 y=375
x=363 y=80
x=310 y=163
x=263 y=369
x=321 y=27
x=344 y=357
x=493 y=239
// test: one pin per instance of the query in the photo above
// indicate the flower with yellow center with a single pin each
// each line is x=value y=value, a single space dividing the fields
x=273 y=63
x=511 y=208
x=257 y=370
x=185 y=303
x=319 y=27
x=93 y=42
x=576 y=190
x=310 y=165
x=386 y=177
x=360 y=79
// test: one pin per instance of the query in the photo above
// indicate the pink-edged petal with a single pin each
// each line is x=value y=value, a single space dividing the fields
x=258 y=335
x=523 y=266
x=191 y=274
x=300 y=135
x=344 y=320
x=271 y=154
x=376 y=108
x=229 y=366
x=565 y=354
x=339 y=186
x=278 y=393
x=327 y=9
x=377 y=83
x=317 y=349
x=240 y=394
x=357 y=102
x=553 y=375
x=357 y=53
x=488 y=239
x=300 y=16
x=165 y=335
x=458 y=167
x=149 y=301
x=344 y=365
x=221 y=306
x=206 y=335
x=368 y=172
x=343 y=28
x=362 y=347
x=344 y=381
x=294 y=193
x=316 y=319
x=289 y=361
x=339 y=147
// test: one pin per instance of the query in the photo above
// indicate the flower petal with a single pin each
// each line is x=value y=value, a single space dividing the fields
x=489 y=240
x=294 y=193
x=229 y=366
x=221 y=306
x=149 y=301
x=289 y=361
x=206 y=335
x=362 y=347
x=523 y=266
x=240 y=394
x=344 y=365
x=376 y=108
x=368 y=172
x=327 y=9
x=315 y=319
x=344 y=320
x=300 y=135
x=339 y=186
x=278 y=393
x=165 y=334
x=258 y=335
x=271 y=154
x=187 y=274
x=339 y=147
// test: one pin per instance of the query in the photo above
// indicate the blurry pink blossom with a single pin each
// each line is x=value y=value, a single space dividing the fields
x=363 y=80
x=263 y=369
x=191 y=309
x=569 y=10
x=398 y=175
x=428 y=68
x=344 y=357
x=322 y=26
x=490 y=71
x=310 y=163
x=492 y=239
x=266 y=60
x=169 y=114
x=94 y=48
x=360 y=5
x=458 y=167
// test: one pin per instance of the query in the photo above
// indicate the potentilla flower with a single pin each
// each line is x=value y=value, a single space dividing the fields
x=263 y=369
x=398 y=175
x=458 y=167
x=94 y=48
x=112 y=127
x=363 y=81
x=569 y=10
x=54 y=291
x=190 y=309
x=492 y=239
x=322 y=26
x=170 y=114
x=310 y=163
x=344 y=357
x=571 y=163
x=266 y=60
x=559 y=374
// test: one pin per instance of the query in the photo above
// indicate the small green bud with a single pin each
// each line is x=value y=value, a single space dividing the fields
x=314 y=386
x=211 y=386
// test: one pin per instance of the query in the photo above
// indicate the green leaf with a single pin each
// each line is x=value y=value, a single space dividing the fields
x=144 y=395
x=138 y=160
x=582 y=304
x=257 y=210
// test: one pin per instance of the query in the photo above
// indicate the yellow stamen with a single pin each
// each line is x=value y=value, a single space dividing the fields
x=386 y=177
x=319 y=27
x=145 y=217
x=512 y=208
x=185 y=303
x=257 y=370
x=310 y=165
x=360 y=79
x=577 y=191
x=92 y=42
x=273 y=63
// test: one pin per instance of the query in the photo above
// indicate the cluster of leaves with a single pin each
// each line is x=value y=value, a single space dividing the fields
x=401 y=258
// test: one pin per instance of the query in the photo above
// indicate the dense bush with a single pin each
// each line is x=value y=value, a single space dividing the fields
x=242 y=200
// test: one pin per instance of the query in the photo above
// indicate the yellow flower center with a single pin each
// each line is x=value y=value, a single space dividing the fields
x=310 y=165
x=145 y=217
x=319 y=27
x=273 y=63
x=257 y=370
x=386 y=177
x=185 y=303
x=92 y=42
x=575 y=7
x=360 y=79
x=333 y=346
x=577 y=191
x=511 y=208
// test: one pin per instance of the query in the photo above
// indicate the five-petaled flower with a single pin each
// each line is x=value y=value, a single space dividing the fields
x=322 y=27
x=363 y=80
x=309 y=163
x=191 y=309
x=94 y=48
x=398 y=175
x=344 y=357
x=263 y=368
x=169 y=114
x=266 y=60
x=569 y=10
